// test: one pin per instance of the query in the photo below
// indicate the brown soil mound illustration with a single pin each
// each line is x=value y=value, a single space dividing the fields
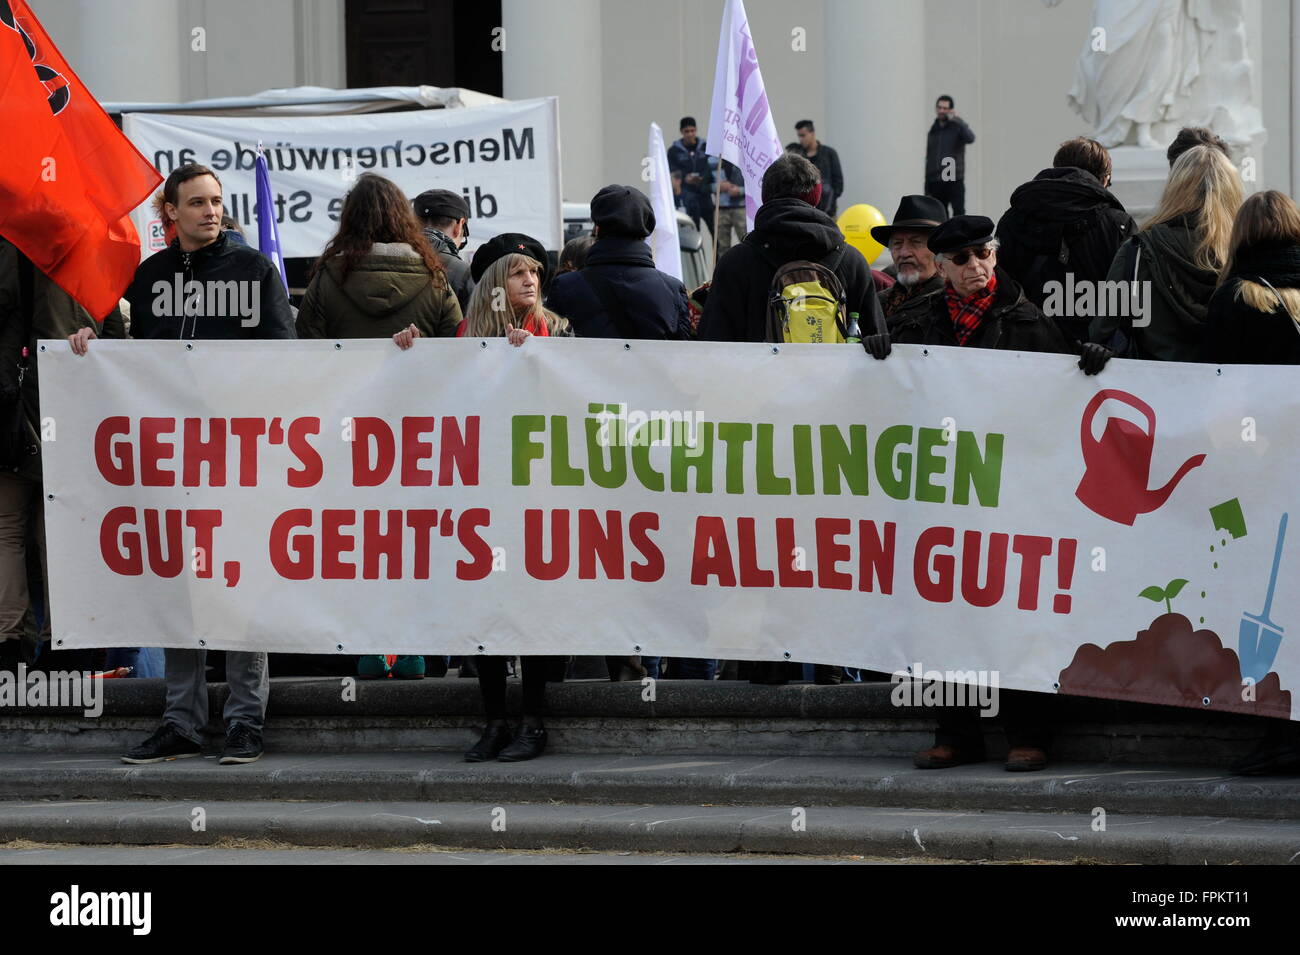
x=1173 y=664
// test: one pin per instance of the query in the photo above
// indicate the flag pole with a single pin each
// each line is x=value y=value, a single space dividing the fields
x=717 y=212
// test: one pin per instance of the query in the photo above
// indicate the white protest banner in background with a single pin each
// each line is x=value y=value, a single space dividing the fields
x=1119 y=536
x=504 y=159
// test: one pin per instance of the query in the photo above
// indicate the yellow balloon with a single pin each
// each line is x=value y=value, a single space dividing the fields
x=856 y=222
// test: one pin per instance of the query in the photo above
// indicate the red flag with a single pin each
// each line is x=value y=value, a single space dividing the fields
x=68 y=177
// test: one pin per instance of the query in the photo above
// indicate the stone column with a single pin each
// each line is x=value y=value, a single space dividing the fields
x=553 y=48
x=877 y=109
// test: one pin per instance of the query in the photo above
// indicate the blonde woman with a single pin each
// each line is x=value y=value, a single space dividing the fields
x=1178 y=253
x=510 y=272
x=1254 y=313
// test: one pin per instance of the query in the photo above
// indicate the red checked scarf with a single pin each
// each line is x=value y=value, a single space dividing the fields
x=967 y=313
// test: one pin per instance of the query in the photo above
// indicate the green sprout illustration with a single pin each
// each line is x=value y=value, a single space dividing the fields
x=1168 y=593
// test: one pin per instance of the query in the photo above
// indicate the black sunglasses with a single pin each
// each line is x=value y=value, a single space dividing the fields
x=962 y=257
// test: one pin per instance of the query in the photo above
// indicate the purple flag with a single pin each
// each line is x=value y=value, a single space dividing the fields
x=268 y=234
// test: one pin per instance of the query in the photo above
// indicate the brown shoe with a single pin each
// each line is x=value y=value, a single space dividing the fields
x=1026 y=759
x=945 y=756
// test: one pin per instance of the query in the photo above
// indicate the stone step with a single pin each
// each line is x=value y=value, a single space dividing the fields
x=1076 y=790
x=592 y=717
x=830 y=830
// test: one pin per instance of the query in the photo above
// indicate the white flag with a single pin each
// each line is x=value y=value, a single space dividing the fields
x=741 y=128
x=664 y=243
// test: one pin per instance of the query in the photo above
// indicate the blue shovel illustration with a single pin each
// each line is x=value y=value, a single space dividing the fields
x=1259 y=636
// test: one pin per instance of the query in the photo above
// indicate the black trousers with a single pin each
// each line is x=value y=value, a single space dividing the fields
x=1024 y=715
x=951 y=194
x=536 y=671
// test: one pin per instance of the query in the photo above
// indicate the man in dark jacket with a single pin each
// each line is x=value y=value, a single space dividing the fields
x=237 y=294
x=692 y=172
x=1064 y=226
x=826 y=160
x=620 y=293
x=788 y=227
x=982 y=305
x=914 y=268
x=445 y=217
x=945 y=156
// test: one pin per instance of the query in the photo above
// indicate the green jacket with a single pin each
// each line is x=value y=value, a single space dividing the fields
x=55 y=315
x=389 y=289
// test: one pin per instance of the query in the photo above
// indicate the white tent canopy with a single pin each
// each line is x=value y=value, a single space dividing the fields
x=320 y=101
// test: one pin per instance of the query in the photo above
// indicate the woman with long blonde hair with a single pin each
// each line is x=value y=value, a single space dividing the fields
x=1178 y=254
x=511 y=273
x=1254 y=315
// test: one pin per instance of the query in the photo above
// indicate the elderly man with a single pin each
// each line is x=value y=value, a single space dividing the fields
x=982 y=306
x=918 y=278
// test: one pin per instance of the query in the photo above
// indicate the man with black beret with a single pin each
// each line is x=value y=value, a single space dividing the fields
x=982 y=306
x=620 y=293
x=445 y=217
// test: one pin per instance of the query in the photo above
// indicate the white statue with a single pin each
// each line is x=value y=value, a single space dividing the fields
x=1149 y=67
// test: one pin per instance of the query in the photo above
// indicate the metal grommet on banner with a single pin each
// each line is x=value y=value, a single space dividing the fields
x=1205 y=701
x=482 y=344
x=787 y=654
x=1218 y=371
x=480 y=648
x=627 y=346
x=909 y=669
x=58 y=643
x=775 y=350
x=338 y=346
x=42 y=348
x=340 y=646
x=1056 y=686
x=189 y=346
x=203 y=643
x=925 y=351
x=49 y=497
x=637 y=648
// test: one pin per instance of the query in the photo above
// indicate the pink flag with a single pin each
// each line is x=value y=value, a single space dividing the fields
x=741 y=128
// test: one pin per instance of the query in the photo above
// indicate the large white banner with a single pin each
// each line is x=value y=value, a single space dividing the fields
x=504 y=159
x=996 y=512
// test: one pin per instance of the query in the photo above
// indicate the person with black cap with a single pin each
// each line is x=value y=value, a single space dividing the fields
x=510 y=273
x=444 y=216
x=620 y=293
x=914 y=268
x=982 y=306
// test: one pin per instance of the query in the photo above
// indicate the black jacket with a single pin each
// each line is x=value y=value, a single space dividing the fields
x=785 y=230
x=1062 y=221
x=237 y=273
x=944 y=140
x=653 y=302
x=1238 y=332
x=1179 y=294
x=1012 y=323
x=684 y=160
x=827 y=162
x=457 y=269
x=901 y=303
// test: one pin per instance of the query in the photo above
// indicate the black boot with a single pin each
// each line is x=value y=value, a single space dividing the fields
x=529 y=743
x=496 y=737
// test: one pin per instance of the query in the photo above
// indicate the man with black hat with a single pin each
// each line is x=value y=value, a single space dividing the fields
x=982 y=306
x=445 y=217
x=692 y=170
x=620 y=293
x=918 y=278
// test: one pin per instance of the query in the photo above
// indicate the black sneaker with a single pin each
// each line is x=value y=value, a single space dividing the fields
x=243 y=745
x=496 y=737
x=166 y=743
x=529 y=743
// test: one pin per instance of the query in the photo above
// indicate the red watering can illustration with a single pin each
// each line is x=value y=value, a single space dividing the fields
x=1118 y=465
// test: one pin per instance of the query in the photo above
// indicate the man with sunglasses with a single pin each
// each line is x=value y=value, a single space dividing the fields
x=982 y=306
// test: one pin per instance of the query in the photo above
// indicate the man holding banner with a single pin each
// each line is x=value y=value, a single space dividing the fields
x=204 y=286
